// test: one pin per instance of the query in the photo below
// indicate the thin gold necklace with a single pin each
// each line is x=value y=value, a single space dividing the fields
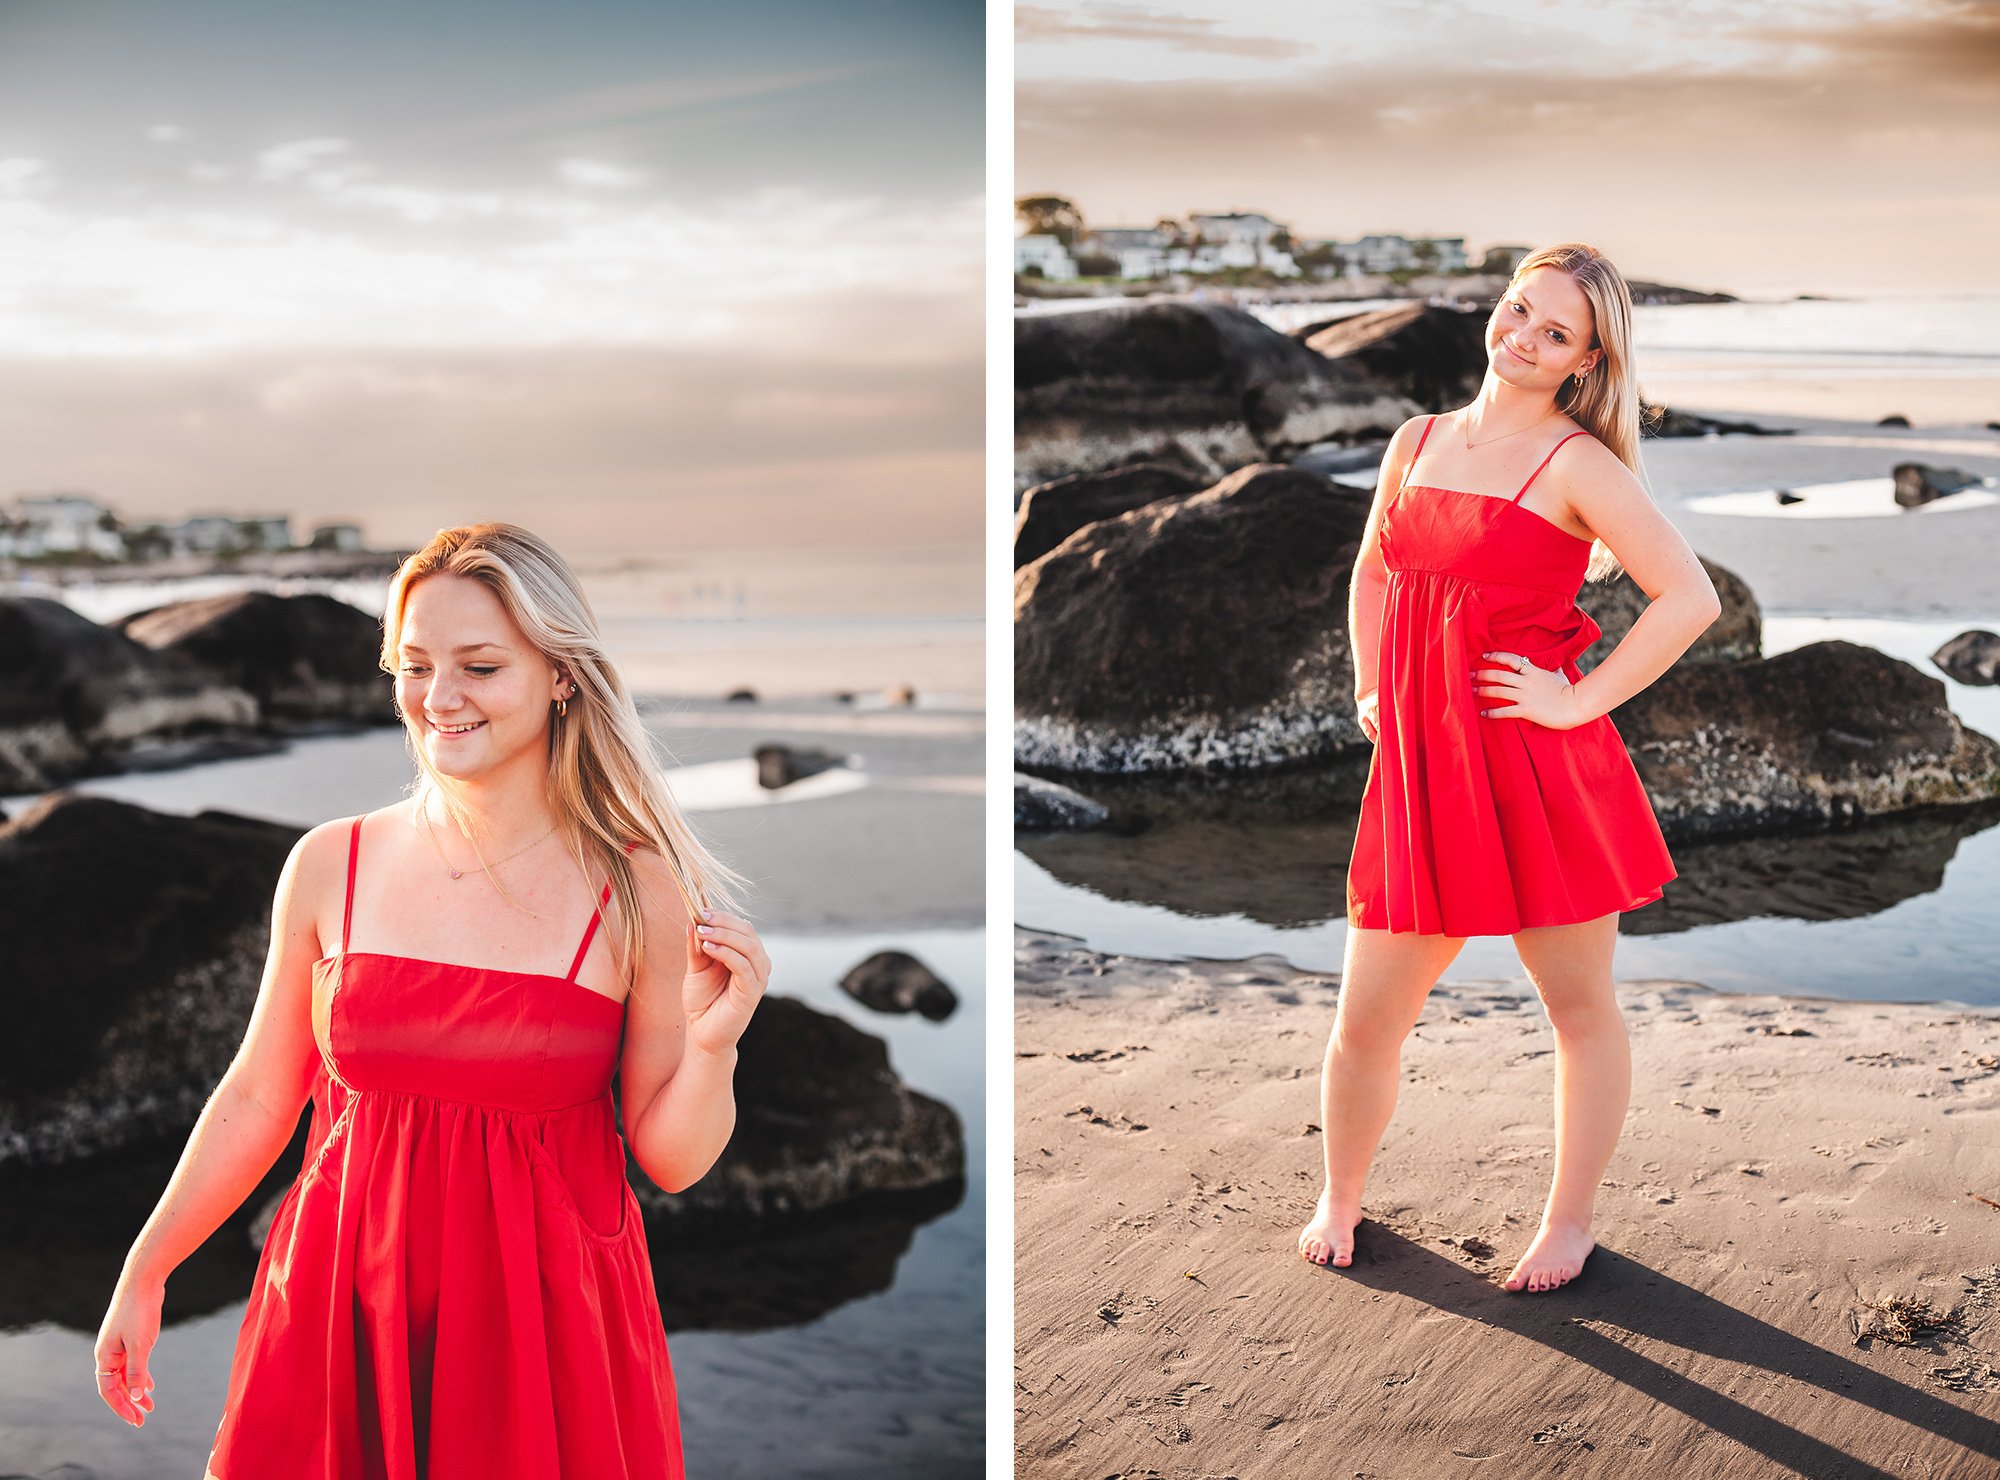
x=1465 y=432
x=457 y=873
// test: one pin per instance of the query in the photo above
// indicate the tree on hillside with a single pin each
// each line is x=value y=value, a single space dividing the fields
x=1050 y=215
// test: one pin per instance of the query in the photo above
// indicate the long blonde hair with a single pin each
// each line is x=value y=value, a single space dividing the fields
x=603 y=780
x=1605 y=402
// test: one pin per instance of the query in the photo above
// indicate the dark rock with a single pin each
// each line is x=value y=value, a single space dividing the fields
x=1045 y=806
x=1735 y=635
x=1207 y=630
x=77 y=699
x=1650 y=294
x=1920 y=483
x=1893 y=421
x=1661 y=421
x=1051 y=512
x=781 y=765
x=1971 y=657
x=896 y=981
x=821 y=1118
x=1828 y=732
x=1104 y=387
x=1433 y=357
x=1786 y=496
x=304 y=658
x=156 y=928
x=740 y=696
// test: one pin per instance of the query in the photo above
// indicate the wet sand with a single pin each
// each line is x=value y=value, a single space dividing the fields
x=1803 y=1187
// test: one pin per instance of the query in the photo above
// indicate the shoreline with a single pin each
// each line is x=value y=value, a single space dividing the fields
x=1790 y=1169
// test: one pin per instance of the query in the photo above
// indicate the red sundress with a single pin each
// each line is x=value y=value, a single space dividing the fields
x=1474 y=826
x=457 y=1287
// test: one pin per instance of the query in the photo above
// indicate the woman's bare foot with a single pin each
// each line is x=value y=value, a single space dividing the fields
x=1554 y=1258
x=1329 y=1238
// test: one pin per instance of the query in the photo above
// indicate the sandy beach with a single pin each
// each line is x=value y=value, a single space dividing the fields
x=1803 y=1188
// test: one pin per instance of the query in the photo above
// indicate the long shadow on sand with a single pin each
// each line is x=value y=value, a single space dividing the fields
x=1617 y=1297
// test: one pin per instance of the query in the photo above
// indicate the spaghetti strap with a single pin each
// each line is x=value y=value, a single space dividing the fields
x=1410 y=467
x=1545 y=462
x=347 y=913
x=590 y=930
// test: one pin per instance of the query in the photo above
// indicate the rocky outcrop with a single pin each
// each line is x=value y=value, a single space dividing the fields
x=132 y=961
x=1207 y=630
x=77 y=698
x=1971 y=657
x=1046 y=806
x=896 y=981
x=1051 y=512
x=1432 y=357
x=780 y=765
x=1825 y=733
x=821 y=1118
x=1662 y=421
x=1103 y=387
x=1920 y=483
x=134 y=950
x=1735 y=635
x=304 y=658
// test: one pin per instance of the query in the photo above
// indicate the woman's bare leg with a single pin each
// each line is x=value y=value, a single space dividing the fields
x=1570 y=966
x=1383 y=983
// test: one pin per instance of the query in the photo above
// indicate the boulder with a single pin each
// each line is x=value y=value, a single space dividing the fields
x=780 y=765
x=1661 y=421
x=77 y=699
x=821 y=1118
x=1102 y=387
x=1971 y=657
x=1207 y=630
x=1735 y=635
x=304 y=658
x=1045 y=806
x=1051 y=512
x=1433 y=357
x=1825 y=733
x=1920 y=483
x=136 y=945
x=896 y=981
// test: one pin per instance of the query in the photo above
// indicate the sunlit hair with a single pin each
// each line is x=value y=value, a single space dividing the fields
x=603 y=779
x=1606 y=402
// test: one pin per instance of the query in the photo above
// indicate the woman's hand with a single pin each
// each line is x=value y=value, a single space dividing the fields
x=1527 y=692
x=727 y=974
x=124 y=1345
x=1367 y=708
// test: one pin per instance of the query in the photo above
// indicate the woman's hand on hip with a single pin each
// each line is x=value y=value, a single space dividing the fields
x=728 y=971
x=1368 y=710
x=1520 y=690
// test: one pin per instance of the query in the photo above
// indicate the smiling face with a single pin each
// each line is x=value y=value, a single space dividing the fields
x=474 y=691
x=1541 y=332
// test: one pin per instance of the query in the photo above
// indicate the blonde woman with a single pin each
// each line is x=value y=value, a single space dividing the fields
x=1500 y=799
x=458 y=1282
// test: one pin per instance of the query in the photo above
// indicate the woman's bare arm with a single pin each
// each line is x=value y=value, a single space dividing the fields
x=1368 y=587
x=246 y=1123
x=1681 y=603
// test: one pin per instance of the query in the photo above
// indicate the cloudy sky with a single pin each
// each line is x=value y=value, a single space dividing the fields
x=645 y=275
x=1744 y=145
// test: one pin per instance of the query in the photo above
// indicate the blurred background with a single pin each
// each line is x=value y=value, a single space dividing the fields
x=691 y=291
